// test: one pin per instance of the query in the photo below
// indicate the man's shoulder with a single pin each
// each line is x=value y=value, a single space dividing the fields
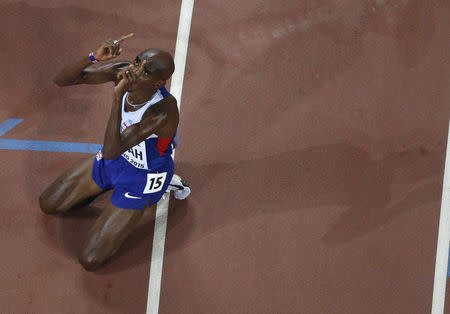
x=166 y=108
x=166 y=104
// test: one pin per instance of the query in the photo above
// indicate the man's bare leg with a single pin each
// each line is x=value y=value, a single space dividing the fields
x=107 y=235
x=72 y=188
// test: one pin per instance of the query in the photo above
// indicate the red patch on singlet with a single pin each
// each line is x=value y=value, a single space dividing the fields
x=162 y=145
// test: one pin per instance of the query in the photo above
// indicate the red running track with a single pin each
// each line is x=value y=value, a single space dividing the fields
x=313 y=134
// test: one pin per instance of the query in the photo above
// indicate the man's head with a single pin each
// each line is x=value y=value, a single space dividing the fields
x=157 y=70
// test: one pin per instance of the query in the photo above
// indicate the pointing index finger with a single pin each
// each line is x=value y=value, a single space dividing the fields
x=123 y=37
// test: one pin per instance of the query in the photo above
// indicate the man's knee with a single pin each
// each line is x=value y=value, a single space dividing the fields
x=91 y=260
x=92 y=257
x=49 y=206
x=46 y=206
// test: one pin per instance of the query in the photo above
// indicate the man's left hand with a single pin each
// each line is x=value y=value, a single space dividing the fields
x=127 y=78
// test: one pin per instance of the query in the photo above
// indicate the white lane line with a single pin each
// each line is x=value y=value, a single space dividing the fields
x=162 y=208
x=440 y=271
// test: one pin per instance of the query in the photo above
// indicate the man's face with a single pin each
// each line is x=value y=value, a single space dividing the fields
x=149 y=77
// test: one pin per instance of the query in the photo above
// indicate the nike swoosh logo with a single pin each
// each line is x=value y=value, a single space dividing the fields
x=127 y=195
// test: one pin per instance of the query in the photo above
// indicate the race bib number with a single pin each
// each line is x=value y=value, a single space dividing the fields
x=155 y=182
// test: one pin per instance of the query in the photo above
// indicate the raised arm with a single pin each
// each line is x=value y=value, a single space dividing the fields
x=80 y=72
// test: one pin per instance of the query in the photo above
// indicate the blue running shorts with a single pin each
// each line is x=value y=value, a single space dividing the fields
x=133 y=188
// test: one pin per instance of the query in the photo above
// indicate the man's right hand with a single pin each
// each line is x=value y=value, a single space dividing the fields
x=110 y=48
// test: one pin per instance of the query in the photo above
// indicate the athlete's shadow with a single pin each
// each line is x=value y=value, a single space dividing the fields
x=336 y=175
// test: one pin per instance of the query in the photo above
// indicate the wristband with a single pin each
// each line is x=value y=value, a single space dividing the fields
x=91 y=56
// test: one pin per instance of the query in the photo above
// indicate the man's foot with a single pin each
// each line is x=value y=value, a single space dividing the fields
x=180 y=188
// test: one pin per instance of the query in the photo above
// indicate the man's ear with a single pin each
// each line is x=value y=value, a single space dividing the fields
x=160 y=83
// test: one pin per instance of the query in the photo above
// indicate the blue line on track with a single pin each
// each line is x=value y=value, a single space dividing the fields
x=8 y=125
x=43 y=146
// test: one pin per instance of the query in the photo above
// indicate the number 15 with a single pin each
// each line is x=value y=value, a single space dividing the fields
x=155 y=182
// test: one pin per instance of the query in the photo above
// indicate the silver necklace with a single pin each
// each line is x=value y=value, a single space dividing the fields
x=136 y=105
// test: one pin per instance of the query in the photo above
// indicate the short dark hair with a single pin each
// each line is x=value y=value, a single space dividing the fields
x=160 y=61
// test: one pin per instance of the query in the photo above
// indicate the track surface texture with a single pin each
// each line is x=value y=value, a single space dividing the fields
x=312 y=133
